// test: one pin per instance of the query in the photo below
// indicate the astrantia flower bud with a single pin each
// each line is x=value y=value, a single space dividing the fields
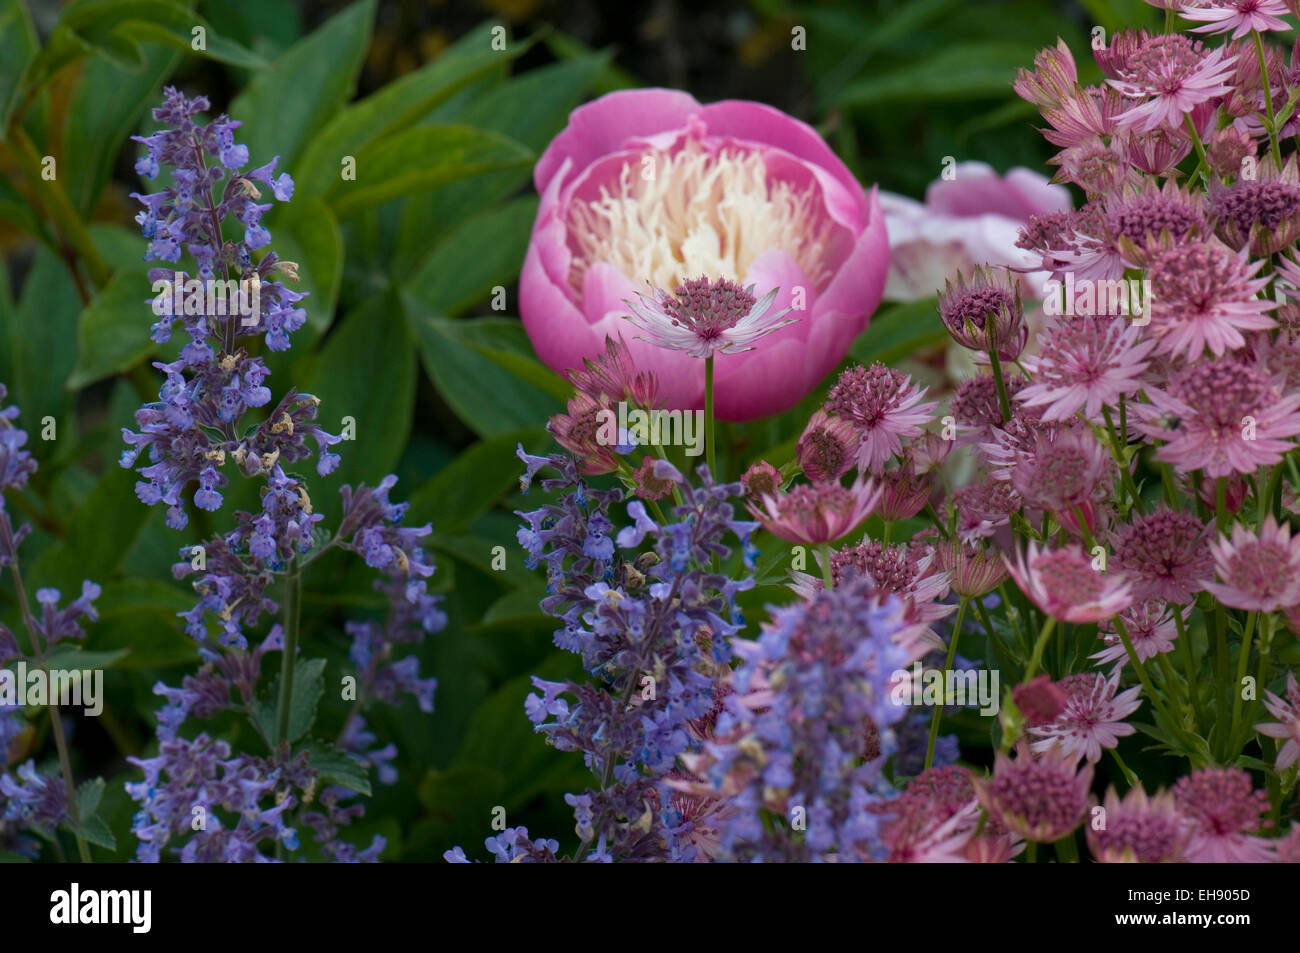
x=983 y=312
x=828 y=448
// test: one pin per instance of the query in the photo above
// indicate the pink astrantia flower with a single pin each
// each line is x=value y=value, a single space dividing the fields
x=740 y=191
x=1236 y=16
x=1261 y=213
x=900 y=570
x=1221 y=417
x=1171 y=74
x=972 y=571
x=1260 y=573
x=1287 y=712
x=817 y=513
x=1085 y=363
x=883 y=405
x=1138 y=829
x=1064 y=585
x=1151 y=630
x=1040 y=798
x=827 y=448
x=1222 y=814
x=704 y=317
x=1165 y=554
x=983 y=310
x=1093 y=717
x=983 y=508
x=1067 y=469
x=1203 y=295
x=932 y=821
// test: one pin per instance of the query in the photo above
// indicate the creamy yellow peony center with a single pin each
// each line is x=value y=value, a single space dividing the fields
x=681 y=216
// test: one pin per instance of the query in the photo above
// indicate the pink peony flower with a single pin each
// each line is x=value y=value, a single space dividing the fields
x=972 y=219
x=650 y=186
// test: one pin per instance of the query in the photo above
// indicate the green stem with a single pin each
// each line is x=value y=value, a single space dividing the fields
x=710 y=431
x=827 y=577
x=1003 y=402
x=1265 y=638
x=1031 y=852
x=1066 y=850
x=1141 y=671
x=1265 y=502
x=292 y=618
x=1221 y=503
x=1203 y=165
x=1243 y=663
x=1189 y=664
x=1117 y=451
x=56 y=723
x=1037 y=657
x=1268 y=99
x=1221 y=664
x=937 y=714
x=1124 y=769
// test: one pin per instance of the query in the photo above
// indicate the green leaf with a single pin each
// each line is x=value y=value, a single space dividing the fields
x=473 y=378
x=113 y=330
x=899 y=332
x=308 y=686
x=367 y=371
x=419 y=158
x=18 y=47
x=105 y=108
x=139 y=617
x=516 y=607
x=117 y=27
x=89 y=794
x=481 y=254
x=531 y=109
x=93 y=828
x=398 y=105
x=338 y=767
x=100 y=531
x=43 y=342
x=467 y=487
x=974 y=70
x=306 y=232
x=609 y=78
x=304 y=88
x=70 y=657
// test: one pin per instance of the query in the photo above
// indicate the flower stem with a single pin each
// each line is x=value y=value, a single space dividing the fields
x=56 y=723
x=292 y=616
x=1124 y=769
x=1117 y=451
x=1189 y=664
x=1268 y=99
x=937 y=715
x=710 y=431
x=1041 y=644
x=1003 y=403
x=1203 y=165
x=1243 y=662
x=1147 y=687
x=827 y=576
x=1221 y=503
